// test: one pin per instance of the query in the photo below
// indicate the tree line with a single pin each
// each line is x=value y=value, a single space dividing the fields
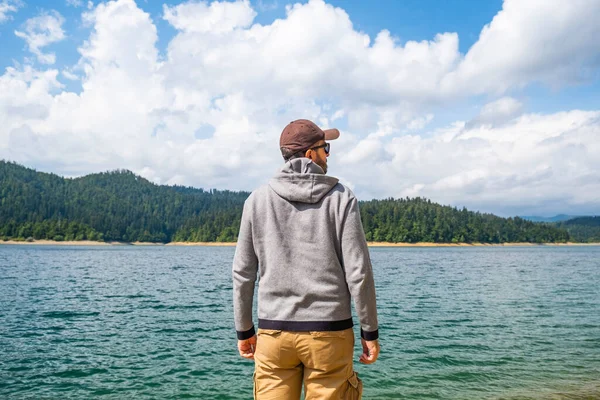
x=420 y=220
x=120 y=206
x=582 y=229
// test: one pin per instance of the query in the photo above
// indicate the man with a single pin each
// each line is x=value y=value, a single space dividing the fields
x=302 y=235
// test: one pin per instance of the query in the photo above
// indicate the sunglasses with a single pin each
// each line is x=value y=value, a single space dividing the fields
x=325 y=146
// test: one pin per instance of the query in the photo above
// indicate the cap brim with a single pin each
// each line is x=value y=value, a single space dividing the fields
x=331 y=134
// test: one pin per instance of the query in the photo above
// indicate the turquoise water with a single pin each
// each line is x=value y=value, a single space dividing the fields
x=156 y=322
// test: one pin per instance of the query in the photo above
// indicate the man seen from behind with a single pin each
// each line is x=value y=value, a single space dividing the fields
x=302 y=236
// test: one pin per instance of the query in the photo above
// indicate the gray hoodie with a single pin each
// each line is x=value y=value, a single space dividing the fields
x=302 y=235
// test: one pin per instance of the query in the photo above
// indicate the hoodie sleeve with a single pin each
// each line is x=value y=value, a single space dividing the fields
x=359 y=272
x=245 y=267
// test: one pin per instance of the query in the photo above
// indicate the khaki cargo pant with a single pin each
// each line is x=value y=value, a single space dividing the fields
x=322 y=360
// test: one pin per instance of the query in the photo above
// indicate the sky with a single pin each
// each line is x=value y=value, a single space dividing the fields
x=490 y=105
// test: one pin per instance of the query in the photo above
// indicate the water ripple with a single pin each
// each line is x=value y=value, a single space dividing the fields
x=156 y=322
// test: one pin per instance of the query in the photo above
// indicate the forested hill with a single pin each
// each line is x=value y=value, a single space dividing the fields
x=582 y=229
x=112 y=206
x=120 y=206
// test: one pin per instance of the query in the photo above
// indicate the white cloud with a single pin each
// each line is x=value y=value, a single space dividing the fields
x=332 y=59
x=75 y=3
x=69 y=75
x=216 y=17
x=420 y=122
x=209 y=112
x=266 y=6
x=7 y=7
x=497 y=112
x=515 y=167
x=41 y=31
x=552 y=42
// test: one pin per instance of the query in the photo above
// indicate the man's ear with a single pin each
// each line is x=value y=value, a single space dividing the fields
x=308 y=153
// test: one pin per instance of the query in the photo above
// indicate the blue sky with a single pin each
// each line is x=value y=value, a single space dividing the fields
x=469 y=103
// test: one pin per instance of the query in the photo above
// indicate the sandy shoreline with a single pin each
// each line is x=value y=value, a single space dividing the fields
x=79 y=243
x=228 y=244
x=425 y=244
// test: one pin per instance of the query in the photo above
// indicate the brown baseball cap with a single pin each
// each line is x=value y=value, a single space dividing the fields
x=302 y=133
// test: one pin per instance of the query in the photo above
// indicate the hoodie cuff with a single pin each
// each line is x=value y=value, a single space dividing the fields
x=374 y=335
x=243 y=335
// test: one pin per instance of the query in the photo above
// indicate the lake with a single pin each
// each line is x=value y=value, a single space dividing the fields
x=140 y=322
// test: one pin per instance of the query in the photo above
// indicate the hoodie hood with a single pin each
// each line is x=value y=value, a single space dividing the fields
x=302 y=180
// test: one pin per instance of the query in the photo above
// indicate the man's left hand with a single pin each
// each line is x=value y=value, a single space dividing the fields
x=247 y=347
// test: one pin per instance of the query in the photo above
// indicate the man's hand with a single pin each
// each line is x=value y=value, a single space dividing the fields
x=246 y=347
x=370 y=351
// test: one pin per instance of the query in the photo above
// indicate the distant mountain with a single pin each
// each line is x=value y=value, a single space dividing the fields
x=556 y=218
x=120 y=206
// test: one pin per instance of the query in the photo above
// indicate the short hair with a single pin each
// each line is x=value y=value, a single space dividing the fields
x=289 y=154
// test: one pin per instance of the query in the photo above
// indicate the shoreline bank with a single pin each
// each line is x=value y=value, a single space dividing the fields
x=230 y=244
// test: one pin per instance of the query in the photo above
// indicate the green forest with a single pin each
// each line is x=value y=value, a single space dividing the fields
x=121 y=206
x=582 y=229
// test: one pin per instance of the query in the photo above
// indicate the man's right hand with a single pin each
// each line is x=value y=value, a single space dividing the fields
x=247 y=347
x=370 y=351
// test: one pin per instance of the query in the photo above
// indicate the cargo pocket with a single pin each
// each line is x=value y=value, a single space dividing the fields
x=331 y=350
x=268 y=346
x=355 y=388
